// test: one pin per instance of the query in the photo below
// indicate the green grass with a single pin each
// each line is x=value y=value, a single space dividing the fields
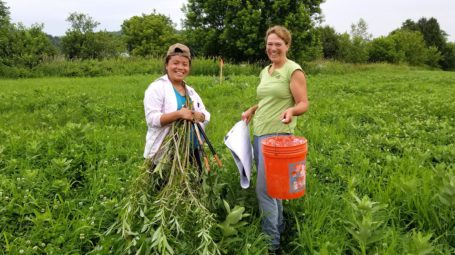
x=381 y=161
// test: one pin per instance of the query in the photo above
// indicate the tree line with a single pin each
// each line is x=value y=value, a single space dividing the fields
x=231 y=29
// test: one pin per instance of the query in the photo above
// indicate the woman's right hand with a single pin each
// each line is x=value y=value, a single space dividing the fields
x=247 y=115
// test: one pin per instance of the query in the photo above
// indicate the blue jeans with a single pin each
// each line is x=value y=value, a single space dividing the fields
x=270 y=208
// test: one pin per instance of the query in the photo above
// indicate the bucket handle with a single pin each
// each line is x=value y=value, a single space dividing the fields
x=276 y=133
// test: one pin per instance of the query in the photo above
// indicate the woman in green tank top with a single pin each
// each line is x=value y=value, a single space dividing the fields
x=282 y=95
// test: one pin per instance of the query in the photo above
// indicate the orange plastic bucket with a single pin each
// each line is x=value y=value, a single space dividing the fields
x=285 y=166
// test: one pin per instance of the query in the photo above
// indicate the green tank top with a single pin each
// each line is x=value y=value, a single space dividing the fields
x=274 y=95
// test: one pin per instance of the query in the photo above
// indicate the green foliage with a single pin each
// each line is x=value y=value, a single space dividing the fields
x=233 y=220
x=430 y=29
x=164 y=212
x=81 y=42
x=123 y=66
x=81 y=23
x=434 y=36
x=71 y=147
x=23 y=48
x=448 y=60
x=410 y=47
x=383 y=49
x=433 y=57
x=352 y=50
x=149 y=35
x=404 y=46
x=236 y=31
x=360 y=30
x=365 y=226
x=330 y=42
x=412 y=44
x=4 y=14
x=420 y=244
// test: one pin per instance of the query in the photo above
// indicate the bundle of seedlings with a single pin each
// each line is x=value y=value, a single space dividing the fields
x=166 y=211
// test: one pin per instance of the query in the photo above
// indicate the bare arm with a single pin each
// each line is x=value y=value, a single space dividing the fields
x=248 y=114
x=299 y=92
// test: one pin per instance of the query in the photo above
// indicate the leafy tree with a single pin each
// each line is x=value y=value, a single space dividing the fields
x=354 y=47
x=82 y=42
x=434 y=36
x=345 y=48
x=433 y=57
x=448 y=56
x=30 y=46
x=360 y=30
x=82 y=23
x=21 y=47
x=109 y=44
x=330 y=42
x=4 y=14
x=235 y=29
x=383 y=49
x=5 y=28
x=26 y=47
x=149 y=35
x=78 y=40
x=430 y=29
x=55 y=40
x=410 y=47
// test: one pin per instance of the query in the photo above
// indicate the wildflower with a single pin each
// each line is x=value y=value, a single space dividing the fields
x=35 y=248
x=21 y=251
x=43 y=244
x=82 y=236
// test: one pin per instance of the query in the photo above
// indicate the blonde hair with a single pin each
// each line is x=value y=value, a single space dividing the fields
x=281 y=32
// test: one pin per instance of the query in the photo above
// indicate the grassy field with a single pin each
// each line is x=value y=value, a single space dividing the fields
x=381 y=162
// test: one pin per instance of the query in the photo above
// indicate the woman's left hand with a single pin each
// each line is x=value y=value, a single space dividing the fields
x=198 y=117
x=286 y=116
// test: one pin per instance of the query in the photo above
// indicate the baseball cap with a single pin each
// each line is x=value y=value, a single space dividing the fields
x=179 y=49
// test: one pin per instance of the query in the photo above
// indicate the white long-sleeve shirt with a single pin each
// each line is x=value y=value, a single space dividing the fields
x=160 y=99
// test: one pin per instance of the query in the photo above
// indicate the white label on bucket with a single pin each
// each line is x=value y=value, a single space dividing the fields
x=297 y=176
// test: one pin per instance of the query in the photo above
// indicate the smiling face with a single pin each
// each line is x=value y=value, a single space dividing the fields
x=276 y=49
x=177 y=68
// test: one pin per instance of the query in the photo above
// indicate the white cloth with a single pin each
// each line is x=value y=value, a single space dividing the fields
x=159 y=99
x=238 y=142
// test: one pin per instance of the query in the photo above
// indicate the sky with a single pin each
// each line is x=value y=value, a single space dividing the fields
x=381 y=16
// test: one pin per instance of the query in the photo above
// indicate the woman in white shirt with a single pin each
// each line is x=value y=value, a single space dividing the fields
x=165 y=100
